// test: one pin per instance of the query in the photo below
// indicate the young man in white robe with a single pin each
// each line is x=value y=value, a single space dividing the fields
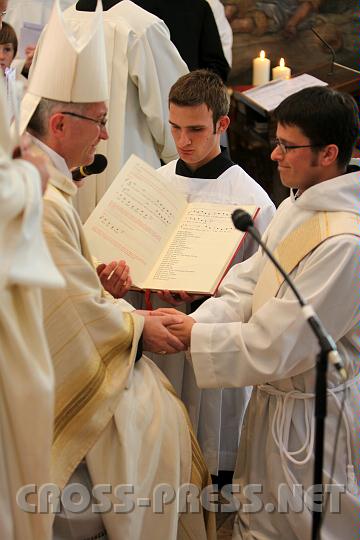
x=254 y=333
x=116 y=422
x=198 y=116
x=26 y=374
x=142 y=64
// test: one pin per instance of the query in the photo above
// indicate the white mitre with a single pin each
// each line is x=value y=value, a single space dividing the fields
x=69 y=64
x=5 y=138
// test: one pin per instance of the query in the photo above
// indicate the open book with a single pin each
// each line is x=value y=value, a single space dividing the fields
x=168 y=243
x=266 y=97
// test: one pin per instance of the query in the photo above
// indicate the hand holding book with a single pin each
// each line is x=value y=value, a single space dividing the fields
x=168 y=243
x=115 y=278
x=179 y=297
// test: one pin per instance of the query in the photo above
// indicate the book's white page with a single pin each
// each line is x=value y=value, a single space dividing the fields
x=200 y=251
x=271 y=94
x=134 y=219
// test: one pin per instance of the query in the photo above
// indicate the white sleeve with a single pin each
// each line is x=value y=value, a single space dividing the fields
x=24 y=257
x=154 y=66
x=234 y=301
x=276 y=342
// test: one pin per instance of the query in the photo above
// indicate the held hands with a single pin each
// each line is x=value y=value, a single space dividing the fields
x=181 y=329
x=156 y=335
x=115 y=278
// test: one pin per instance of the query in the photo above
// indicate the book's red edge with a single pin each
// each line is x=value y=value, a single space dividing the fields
x=235 y=253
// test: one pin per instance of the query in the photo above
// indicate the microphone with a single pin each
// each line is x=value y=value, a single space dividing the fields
x=96 y=167
x=329 y=47
x=243 y=222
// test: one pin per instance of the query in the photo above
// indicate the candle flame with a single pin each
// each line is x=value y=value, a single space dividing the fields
x=282 y=62
x=262 y=54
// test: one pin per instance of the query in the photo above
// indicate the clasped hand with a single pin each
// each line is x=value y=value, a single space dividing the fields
x=166 y=330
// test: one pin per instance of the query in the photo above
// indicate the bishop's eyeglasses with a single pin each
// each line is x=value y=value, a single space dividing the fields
x=101 y=122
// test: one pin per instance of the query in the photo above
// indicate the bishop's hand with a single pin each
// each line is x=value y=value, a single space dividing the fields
x=115 y=278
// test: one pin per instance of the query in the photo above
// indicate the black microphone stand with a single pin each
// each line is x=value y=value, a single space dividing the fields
x=329 y=47
x=327 y=350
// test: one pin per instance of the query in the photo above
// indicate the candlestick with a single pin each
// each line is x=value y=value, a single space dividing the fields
x=261 y=69
x=281 y=71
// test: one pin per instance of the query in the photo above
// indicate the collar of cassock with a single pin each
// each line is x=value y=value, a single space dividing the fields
x=90 y=5
x=213 y=169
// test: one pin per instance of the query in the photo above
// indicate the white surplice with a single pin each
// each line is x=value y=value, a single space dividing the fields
x=143 y=64
x=26 y=376
x=275 y=350
x=216 y=415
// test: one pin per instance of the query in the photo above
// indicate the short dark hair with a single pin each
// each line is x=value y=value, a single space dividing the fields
x=8 y=35
x=198 y=87
x=325 y=116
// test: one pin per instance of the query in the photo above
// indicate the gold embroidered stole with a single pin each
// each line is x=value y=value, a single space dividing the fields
x=297 y=245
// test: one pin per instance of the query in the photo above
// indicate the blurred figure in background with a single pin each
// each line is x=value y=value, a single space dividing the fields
x=3 y=8
x=26 y=375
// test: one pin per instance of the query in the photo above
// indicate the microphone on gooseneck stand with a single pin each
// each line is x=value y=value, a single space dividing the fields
x=328 y=351
x=329 y=47
x=96 y=167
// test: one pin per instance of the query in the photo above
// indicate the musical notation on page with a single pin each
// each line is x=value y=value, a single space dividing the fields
x=167 y=242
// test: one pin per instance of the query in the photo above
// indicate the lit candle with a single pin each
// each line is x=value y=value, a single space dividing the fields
x=281 y=71
x=261 y=69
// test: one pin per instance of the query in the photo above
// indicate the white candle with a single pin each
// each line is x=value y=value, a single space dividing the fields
x=261 y=69
x=281 y=71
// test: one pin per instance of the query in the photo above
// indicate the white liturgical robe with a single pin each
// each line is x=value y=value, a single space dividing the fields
x=26 y=376
x=275 y=350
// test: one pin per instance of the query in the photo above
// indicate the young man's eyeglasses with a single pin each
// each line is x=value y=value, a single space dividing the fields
x=101 y=123
x=286 y=147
